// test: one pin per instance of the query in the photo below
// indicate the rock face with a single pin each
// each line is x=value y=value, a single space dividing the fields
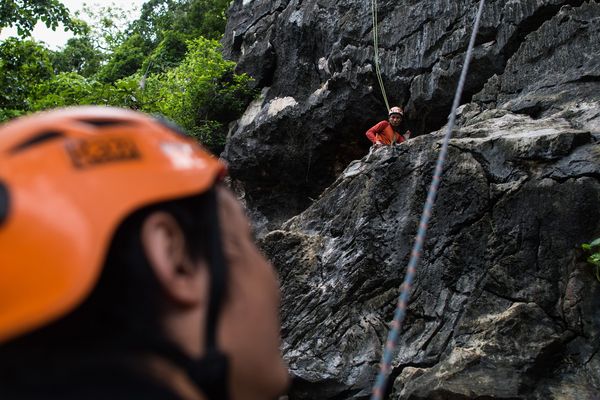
x=556 y=71
x=314 y=61
x=505 y=306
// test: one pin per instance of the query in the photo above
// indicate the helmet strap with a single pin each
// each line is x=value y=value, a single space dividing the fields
x=210 y=373
x=218 y=273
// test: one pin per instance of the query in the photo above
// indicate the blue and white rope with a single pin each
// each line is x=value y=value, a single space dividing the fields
x=403 y=299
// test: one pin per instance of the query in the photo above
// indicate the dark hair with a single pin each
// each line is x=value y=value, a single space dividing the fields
x=120 y=317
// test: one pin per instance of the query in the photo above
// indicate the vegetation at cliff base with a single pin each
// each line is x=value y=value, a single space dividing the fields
x=168 y=61
x=593 y=251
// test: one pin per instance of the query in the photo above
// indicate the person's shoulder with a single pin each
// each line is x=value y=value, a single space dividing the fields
x=378 y=126
x=92 y=384
x=92 y=392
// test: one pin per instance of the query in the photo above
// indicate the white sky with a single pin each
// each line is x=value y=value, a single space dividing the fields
x=57 y=39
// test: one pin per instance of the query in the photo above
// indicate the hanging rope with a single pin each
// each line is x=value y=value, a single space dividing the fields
x=396 y=324
x=376 y=52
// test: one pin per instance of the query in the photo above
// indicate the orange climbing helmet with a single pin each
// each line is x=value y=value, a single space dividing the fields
x=396 y=110
x=67 y=180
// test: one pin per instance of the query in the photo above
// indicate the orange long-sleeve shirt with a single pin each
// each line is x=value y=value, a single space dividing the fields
x=384 y=133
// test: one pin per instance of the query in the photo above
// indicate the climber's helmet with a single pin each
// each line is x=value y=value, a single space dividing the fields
x=396 y=111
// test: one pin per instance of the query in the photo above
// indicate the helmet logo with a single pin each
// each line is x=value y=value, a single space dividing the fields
x=91 y=152
x=182 y=155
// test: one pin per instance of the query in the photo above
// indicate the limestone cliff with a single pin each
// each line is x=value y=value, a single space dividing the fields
x=504 y=306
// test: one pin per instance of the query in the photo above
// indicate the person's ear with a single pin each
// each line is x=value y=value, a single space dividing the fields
x=165 y=247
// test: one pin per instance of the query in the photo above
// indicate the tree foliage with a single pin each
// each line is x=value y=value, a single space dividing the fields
x=191 y=18
x=593 y=255
x=202 y=18
x=126 y=60
x=155 y=19
x=202 y=94
x=24 y=14
x=69 y=88
x=167 y=54
x=79 y=55
x=168 y=62
x=23 y=64
x=108 y=27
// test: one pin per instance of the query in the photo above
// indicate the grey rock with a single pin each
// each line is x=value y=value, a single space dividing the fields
x=556 y=70
x=503 y=305
x=314 y=61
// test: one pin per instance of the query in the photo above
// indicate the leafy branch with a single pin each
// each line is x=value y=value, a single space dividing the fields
x=24 y=14
x=593 y=249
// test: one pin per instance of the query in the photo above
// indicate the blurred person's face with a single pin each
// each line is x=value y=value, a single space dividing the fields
x=249 y=327
x=395 y=119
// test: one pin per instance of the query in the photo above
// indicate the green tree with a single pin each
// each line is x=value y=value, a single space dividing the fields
x=203 y=17
x=24 y=14
x=168 y=54
x=157 y=40
x=192 y=18
x=593 y=251
x=23 y=64
x=161 y=63
x=126 y=60
x=155 y=18
x=67 y=89
x=202 y=94
x=79 y=55
x=108 y=27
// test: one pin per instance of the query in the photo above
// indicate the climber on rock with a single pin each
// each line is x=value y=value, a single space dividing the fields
x=389 y=132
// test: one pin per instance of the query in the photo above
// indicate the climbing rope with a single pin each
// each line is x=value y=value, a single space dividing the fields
x=376 y=51
x=396 y=324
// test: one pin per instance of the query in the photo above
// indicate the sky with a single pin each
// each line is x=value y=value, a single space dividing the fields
x=57 y=39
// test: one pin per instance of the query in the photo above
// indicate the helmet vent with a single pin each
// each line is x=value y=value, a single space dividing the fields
x=100 y=123
x=3 y=203
x=36 y=140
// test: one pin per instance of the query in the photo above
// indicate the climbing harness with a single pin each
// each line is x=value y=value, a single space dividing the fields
x=376 y=51
x=396 y=324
